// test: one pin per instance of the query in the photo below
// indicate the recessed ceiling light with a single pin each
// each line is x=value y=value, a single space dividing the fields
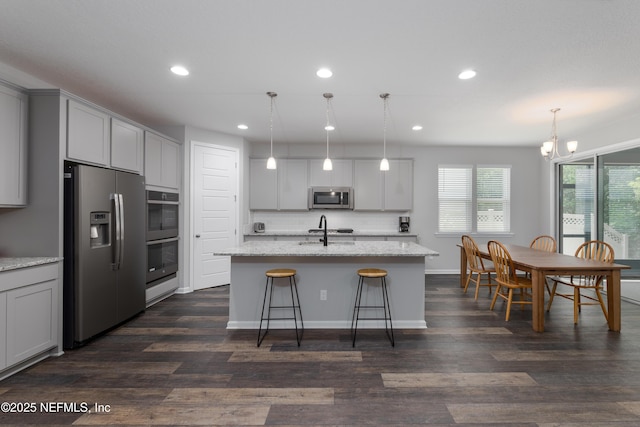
x=243 y=127
x=416 y=127
x=324 y=73
x=329 y=127
x=467 y=74
x=179 y=70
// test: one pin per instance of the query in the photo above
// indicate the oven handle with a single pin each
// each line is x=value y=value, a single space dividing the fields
x=171 y=239
x=161 y=202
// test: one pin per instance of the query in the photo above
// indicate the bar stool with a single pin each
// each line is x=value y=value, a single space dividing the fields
x=372 y=273
x=281 y=273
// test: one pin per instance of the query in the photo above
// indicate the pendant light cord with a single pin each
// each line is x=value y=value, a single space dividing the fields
x=272 y=95
x=384 y=126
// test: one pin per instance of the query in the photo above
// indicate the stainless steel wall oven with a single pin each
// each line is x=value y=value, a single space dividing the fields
x=162 y=260
x=162 y=215
x=162 y=238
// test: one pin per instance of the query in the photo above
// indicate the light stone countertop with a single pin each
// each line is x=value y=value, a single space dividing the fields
x=356 y=233
x=345 y=249
x=23 y=262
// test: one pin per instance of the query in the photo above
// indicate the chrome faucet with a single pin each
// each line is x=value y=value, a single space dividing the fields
x=324 y=240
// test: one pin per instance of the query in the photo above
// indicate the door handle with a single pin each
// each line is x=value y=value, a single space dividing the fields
x=197 y=236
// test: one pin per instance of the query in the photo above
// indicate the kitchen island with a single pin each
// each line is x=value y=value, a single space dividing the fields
x=327 y=280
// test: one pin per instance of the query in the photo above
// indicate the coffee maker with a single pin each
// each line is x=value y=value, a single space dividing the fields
x=403 y=224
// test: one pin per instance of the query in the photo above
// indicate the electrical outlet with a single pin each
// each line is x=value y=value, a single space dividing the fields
x=323 y=295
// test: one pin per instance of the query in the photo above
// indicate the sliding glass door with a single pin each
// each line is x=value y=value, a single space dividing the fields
x=577 y=192
x=602 y=201
x=619 y=211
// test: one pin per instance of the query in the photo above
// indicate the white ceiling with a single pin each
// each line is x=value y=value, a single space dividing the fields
x=531 y=55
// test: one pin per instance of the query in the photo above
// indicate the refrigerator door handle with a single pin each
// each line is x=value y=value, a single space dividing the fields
x=117 y=249
x=121 y=250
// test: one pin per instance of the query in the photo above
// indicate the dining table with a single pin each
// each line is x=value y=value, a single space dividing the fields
x=541 y=264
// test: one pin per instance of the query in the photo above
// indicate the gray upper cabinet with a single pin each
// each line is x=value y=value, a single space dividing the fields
x=292 y=184
x=127 y=146
x=13 y=147
x=263 y=185
x=161 y=162
x=340 y=176
x=284 y=188
x=87 y=134
x=376 y=190
x=398 y=186
x=368 y=185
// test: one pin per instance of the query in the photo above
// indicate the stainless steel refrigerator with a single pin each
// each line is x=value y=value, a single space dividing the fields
x=104 y=250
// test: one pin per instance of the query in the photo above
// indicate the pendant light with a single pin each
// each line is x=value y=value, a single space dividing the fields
x=549 y=149
x=327 y=165
x=271 y=161
x=384 y=163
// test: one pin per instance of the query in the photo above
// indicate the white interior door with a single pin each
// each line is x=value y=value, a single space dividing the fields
x=215 y=184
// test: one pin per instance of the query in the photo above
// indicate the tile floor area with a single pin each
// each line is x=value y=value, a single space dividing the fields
x=176 y=364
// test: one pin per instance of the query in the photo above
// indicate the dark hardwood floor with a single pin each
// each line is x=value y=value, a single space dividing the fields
x=176 y=364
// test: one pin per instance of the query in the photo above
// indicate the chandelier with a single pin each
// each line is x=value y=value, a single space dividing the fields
x=549 y=149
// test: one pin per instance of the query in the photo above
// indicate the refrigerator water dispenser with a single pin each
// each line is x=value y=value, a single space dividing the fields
x=100 y=225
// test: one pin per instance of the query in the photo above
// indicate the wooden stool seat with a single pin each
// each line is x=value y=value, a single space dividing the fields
x=281 y=272
x=373 y=273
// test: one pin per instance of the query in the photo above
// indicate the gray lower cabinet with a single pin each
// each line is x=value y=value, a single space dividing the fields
x=31 y=324
x=3 y=331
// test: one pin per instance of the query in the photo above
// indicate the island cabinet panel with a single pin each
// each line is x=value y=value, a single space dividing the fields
x=368 y=185
x=292 y=184
x=340 y=176
x=161 y=162
x=127 y=146
x=87 y=134
x=263 y=186
x=330 y=271
x=13 y=140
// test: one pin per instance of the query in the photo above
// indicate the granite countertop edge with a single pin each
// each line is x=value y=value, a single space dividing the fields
x=7 y=264
x=354 y=249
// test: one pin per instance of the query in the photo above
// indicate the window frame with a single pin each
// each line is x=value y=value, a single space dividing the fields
x=473 y=221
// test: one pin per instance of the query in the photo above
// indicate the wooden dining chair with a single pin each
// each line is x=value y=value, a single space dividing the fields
x=508 y=280
x=476 y=266
x=582 y=284
x=544 y=243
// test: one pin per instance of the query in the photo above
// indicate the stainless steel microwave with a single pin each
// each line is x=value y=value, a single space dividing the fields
x=330 y=198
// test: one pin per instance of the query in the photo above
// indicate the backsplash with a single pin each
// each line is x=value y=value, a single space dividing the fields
x=359 y=221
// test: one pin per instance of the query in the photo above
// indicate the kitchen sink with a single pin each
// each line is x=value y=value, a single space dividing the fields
x=320 y=243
